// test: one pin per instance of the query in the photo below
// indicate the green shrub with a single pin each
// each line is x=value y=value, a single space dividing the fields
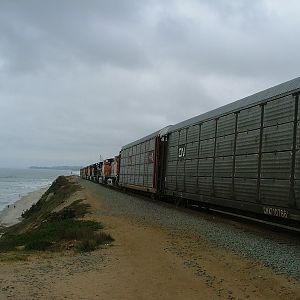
x=49 y=233
x=40 y=245
x=86 y=246
x=103 y=238
x=91 y=243
x=75 y=210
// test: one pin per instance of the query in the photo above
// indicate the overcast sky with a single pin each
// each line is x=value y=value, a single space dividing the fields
x=82 y=78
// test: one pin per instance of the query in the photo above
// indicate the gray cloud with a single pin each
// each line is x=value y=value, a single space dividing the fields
x=82 y=78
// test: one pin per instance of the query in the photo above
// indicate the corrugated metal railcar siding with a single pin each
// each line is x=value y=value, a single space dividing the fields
x=152 y=145
x=225 y=145
x=298 y=135
x=170 y=174
x=245 y=189
x=247 y=149
x=299 y=108
x=172 y=167
x=297 y=179
x=193 y=134
x=208 y=130
x=137 y=170
x=150 y=175
x=142 y=170
x=122 y=168
x=222 y=187
x=297 y=192
x=191 y=184
x=172 y=153
x=171 y=183
x=226 y=125
x=132 y=178
x=223 y=166
x=205 y=185
x=180 y=167
x=224 y=159
x=182 y=136
x=297 y=169
x=246 y=166
x=126 y=179
x=297 y=165
x=192 y=150
x=279 y=111
x=122 y=178
x=191 y=167
x=207 y=148
x=140 y=180
x=249 y=119
x=275 y=192
x=205 y=167
x=180 y=183
x=207 y=144
x=247 y=142
x=276 y=165
x=279 y=138
x=140 y=158
x=173 y=139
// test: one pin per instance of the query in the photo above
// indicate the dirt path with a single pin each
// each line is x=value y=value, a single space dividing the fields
x=146 y=261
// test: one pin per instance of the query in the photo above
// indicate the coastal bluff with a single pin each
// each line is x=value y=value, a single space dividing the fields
x=86 y=241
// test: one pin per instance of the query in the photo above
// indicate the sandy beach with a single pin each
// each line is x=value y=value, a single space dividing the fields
x=11 y=215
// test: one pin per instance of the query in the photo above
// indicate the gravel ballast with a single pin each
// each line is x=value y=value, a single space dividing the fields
x=281 y=255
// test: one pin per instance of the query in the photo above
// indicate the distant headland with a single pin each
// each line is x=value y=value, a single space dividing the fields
x=71 y=168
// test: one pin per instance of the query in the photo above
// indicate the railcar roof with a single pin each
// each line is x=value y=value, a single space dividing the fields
x=160 y=132
x=260 y=97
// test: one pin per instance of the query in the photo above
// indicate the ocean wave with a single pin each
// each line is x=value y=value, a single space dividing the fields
x=16 y=183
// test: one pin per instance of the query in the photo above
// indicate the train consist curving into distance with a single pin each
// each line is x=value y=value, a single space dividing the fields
x=244 y=155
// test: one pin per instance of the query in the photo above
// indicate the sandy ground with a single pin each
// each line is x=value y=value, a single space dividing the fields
x=12 y=214
x=145 y=262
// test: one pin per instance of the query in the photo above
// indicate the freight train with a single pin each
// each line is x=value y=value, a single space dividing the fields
x=244 y=156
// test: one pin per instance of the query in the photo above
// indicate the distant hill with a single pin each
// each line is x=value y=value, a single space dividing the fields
x=71 y=168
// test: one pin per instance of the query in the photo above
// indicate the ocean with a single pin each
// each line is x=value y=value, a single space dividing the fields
x=15 y=183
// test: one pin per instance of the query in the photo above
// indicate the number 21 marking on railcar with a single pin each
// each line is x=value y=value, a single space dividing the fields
x=181 y=151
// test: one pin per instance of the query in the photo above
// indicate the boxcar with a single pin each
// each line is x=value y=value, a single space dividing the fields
x=140 y=163
x=244 y=155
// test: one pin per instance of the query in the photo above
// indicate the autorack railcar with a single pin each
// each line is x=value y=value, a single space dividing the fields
x=244 y=155
x=140 y=163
